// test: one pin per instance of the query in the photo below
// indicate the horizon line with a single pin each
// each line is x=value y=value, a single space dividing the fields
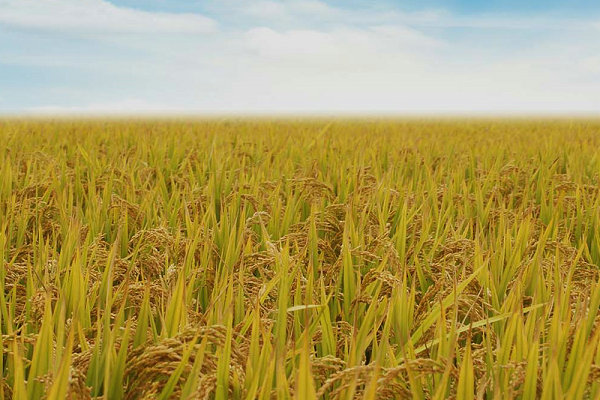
x=149 y=114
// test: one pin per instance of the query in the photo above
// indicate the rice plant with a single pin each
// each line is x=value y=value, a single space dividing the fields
x=331 y=259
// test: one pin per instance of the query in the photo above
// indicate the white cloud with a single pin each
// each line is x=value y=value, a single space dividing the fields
x=342 y=49
x=307 y=56
x=592 y=64
x=97 y=16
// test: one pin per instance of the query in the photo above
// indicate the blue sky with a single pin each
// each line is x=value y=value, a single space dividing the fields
x=134 y=56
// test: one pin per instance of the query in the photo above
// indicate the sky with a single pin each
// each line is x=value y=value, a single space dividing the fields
x=314 y=56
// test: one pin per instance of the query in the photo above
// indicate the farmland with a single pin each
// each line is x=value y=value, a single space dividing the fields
x=334 y=259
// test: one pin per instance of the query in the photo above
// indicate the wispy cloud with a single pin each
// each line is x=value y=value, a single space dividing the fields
x=126 y=106
x=96 y=16
x=294 y=12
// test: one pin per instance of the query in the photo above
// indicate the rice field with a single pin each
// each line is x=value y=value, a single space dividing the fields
x=330 y=259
